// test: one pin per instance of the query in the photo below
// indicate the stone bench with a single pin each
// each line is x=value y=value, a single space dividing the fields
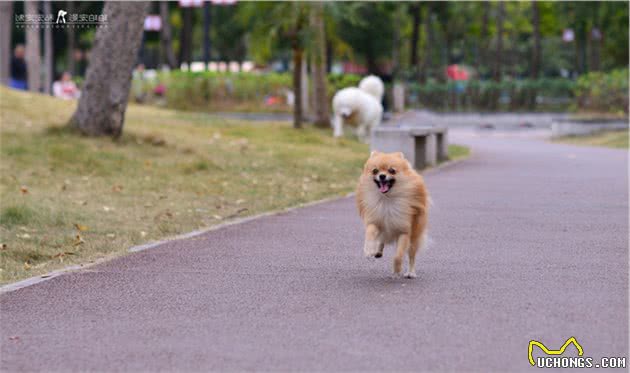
x=422 y=146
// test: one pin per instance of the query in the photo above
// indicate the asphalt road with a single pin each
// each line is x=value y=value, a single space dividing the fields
x=530 y=241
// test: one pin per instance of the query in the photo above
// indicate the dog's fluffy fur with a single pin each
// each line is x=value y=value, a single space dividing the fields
x=393 y=203
x=359 y=106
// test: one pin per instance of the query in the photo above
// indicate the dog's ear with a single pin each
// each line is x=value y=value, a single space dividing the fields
x=399 y=155
x=374 y=152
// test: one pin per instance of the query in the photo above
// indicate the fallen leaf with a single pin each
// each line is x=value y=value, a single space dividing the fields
x=111 y=235
x=24 y=189
x=239 y=201
x=80 y=227
x=27 y=266
x=117 y=188
x=218 y=217
x=239 y=211
x=78 y=240
x=25 y=236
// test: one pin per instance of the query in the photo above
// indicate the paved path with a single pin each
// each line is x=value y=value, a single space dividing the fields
x=530 y=241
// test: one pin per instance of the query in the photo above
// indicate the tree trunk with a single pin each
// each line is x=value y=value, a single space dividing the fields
x=320 y=86
x=6 y=26
x=298 y=57
x=105 y=93
x=427 y=61
x=71 y=65
x=166 y=37
x=49 y=69
x=396 y=43
x=498 y=58
x=185 y=43
x=33 y=63
x=207 y=20
x=483 y=56
x=536 y=52
x=415 y=37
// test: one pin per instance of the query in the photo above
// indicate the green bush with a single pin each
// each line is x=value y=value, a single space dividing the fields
x=202 y=90
x=603 y=92
x=484 y=95
x=234 y=91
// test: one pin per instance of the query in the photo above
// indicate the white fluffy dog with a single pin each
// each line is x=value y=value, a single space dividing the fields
x=359 y=106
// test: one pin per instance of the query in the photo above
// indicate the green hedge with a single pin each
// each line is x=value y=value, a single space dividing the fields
x=513 y=95
x=603 y=92
x=234 y=91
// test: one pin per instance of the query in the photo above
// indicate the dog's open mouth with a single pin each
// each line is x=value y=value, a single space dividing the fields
x=385 y=186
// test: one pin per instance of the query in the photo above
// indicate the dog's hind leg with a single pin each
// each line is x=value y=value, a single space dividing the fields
x=337 y=125
x=417 y=241
x=401 y=247
x=413 y=249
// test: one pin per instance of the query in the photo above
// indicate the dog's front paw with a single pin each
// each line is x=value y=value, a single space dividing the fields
x=371 y=249
x=410 y=274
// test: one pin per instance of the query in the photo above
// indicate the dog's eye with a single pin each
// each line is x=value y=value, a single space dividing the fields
x=392 y=171
x=375 y=171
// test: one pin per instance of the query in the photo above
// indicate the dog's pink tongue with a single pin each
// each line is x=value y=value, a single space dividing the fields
x=383 y=188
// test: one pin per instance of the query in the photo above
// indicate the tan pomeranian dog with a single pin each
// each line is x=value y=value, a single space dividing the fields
x=393 y=203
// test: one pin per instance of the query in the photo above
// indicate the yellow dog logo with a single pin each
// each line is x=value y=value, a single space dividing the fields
x=533 y=343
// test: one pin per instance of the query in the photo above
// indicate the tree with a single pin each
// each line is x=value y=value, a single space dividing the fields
x=228 y=35
x=49 y=69
x=369 y=29
x=32 y=50
x=536 y=51
x=166 y=37
x=6 y=26
x=103 y=102
x=284 y=23
x=416 y=13
x=185 y=40
x=498 y=58
x=70 y=67
x=427 y=61
x=318 y=53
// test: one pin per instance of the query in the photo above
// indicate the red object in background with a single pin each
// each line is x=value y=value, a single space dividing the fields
x=454 y=72
x=352 y=68
x=159 y=90
x=273 y=100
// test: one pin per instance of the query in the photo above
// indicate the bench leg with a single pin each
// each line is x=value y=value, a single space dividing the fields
x=442 y=147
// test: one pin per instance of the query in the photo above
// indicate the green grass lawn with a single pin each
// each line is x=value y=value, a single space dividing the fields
x=67 y=199
x=611 y=139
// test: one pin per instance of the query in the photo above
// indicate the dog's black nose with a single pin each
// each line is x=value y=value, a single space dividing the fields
x=382 y=176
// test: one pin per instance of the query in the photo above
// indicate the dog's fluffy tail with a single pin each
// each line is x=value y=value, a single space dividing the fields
x=373 y=85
